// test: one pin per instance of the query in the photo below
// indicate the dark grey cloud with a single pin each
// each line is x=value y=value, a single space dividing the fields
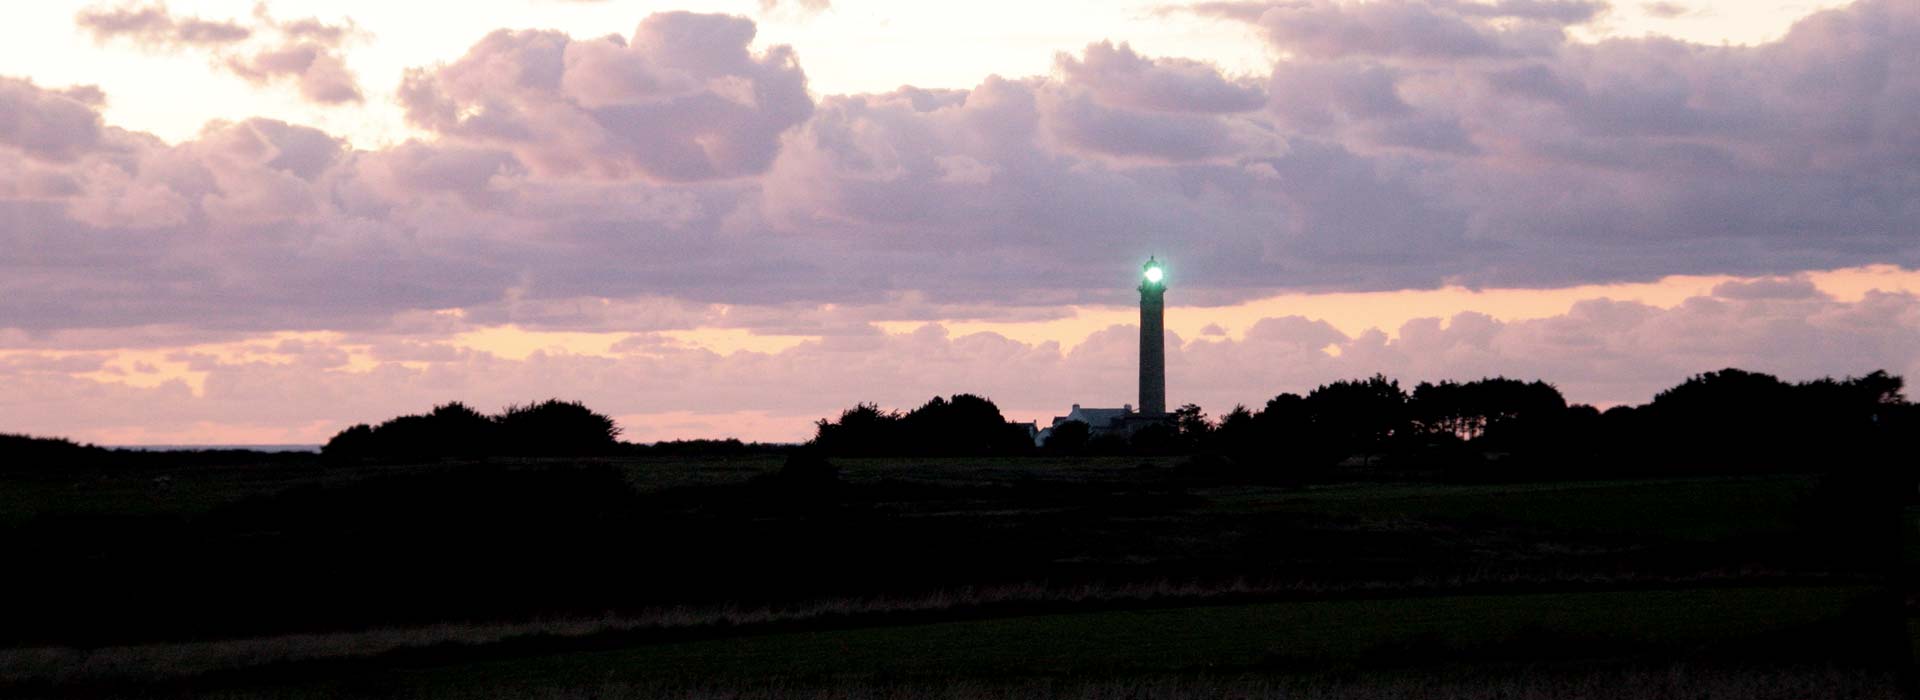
x=1119 y=77
x=1556 y=11
x=48 y=124
x=1080 y=121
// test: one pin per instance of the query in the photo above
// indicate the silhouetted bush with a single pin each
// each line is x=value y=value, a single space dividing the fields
x=552 y=428
x=962 y=425
x=28 y=453
x=356 y=441
x=556 y=428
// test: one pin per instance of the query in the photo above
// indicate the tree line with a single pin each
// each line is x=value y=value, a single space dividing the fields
x=1728 y=420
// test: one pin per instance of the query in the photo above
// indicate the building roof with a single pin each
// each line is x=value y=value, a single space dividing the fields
x=1094 y=417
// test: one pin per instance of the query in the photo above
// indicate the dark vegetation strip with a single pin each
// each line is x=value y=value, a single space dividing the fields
x=1764 y=625
x=197 y=664
x=1518 y=681
x=492 y=535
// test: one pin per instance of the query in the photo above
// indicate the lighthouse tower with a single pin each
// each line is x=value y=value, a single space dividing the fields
x=1153 y=351
x=1124 y=421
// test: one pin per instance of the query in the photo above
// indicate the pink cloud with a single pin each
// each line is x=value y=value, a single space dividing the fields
x=153 y=25
x=321 y=75
x=677 y=170
x=306 y=54
x=48 y=124
x=683 y=100
x=1412 y=29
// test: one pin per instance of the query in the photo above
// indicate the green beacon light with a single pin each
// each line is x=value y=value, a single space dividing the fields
x=1154 y=274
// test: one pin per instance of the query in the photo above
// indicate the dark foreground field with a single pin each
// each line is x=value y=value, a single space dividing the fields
x=1098 y=578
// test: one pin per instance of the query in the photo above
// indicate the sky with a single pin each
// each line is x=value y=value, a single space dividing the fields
x=261 y=222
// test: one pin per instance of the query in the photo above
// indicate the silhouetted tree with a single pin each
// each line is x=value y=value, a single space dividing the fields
x=1237 y=435
x=1359 y=415
x=1190 y=426
x=1729 y=419
x=1490 y=428
x=861 y=430
x=1284 y=437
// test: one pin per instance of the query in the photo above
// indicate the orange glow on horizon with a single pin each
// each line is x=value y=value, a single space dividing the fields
x=1351 y=313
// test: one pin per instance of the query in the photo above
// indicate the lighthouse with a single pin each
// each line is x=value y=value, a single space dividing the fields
x=1153 y=351
x=1125 y=420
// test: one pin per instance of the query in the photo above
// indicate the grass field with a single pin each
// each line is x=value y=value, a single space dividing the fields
x=1910 y=558
x=1808 y=626
x=1506 y=683
x=1415 y=631
x=1113 y=577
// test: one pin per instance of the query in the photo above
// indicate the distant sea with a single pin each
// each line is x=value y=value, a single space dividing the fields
x=189 y=448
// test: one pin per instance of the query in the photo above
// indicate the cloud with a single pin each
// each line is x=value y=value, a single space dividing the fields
x=153 y=25
x=1414 y=29
x=1768 y=288
x=55 y=125
x=304 y=52
x=680 y=164
x=683 y=100
x=1665 y=10
x=1119 y=77
x=676 y=179
x=1080 y=121
x=803 y=8
x=1558 y=11
x=323 y=78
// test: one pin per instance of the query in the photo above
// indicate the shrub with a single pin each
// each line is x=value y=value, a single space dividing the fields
x=556 y=428
x=551 y=428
